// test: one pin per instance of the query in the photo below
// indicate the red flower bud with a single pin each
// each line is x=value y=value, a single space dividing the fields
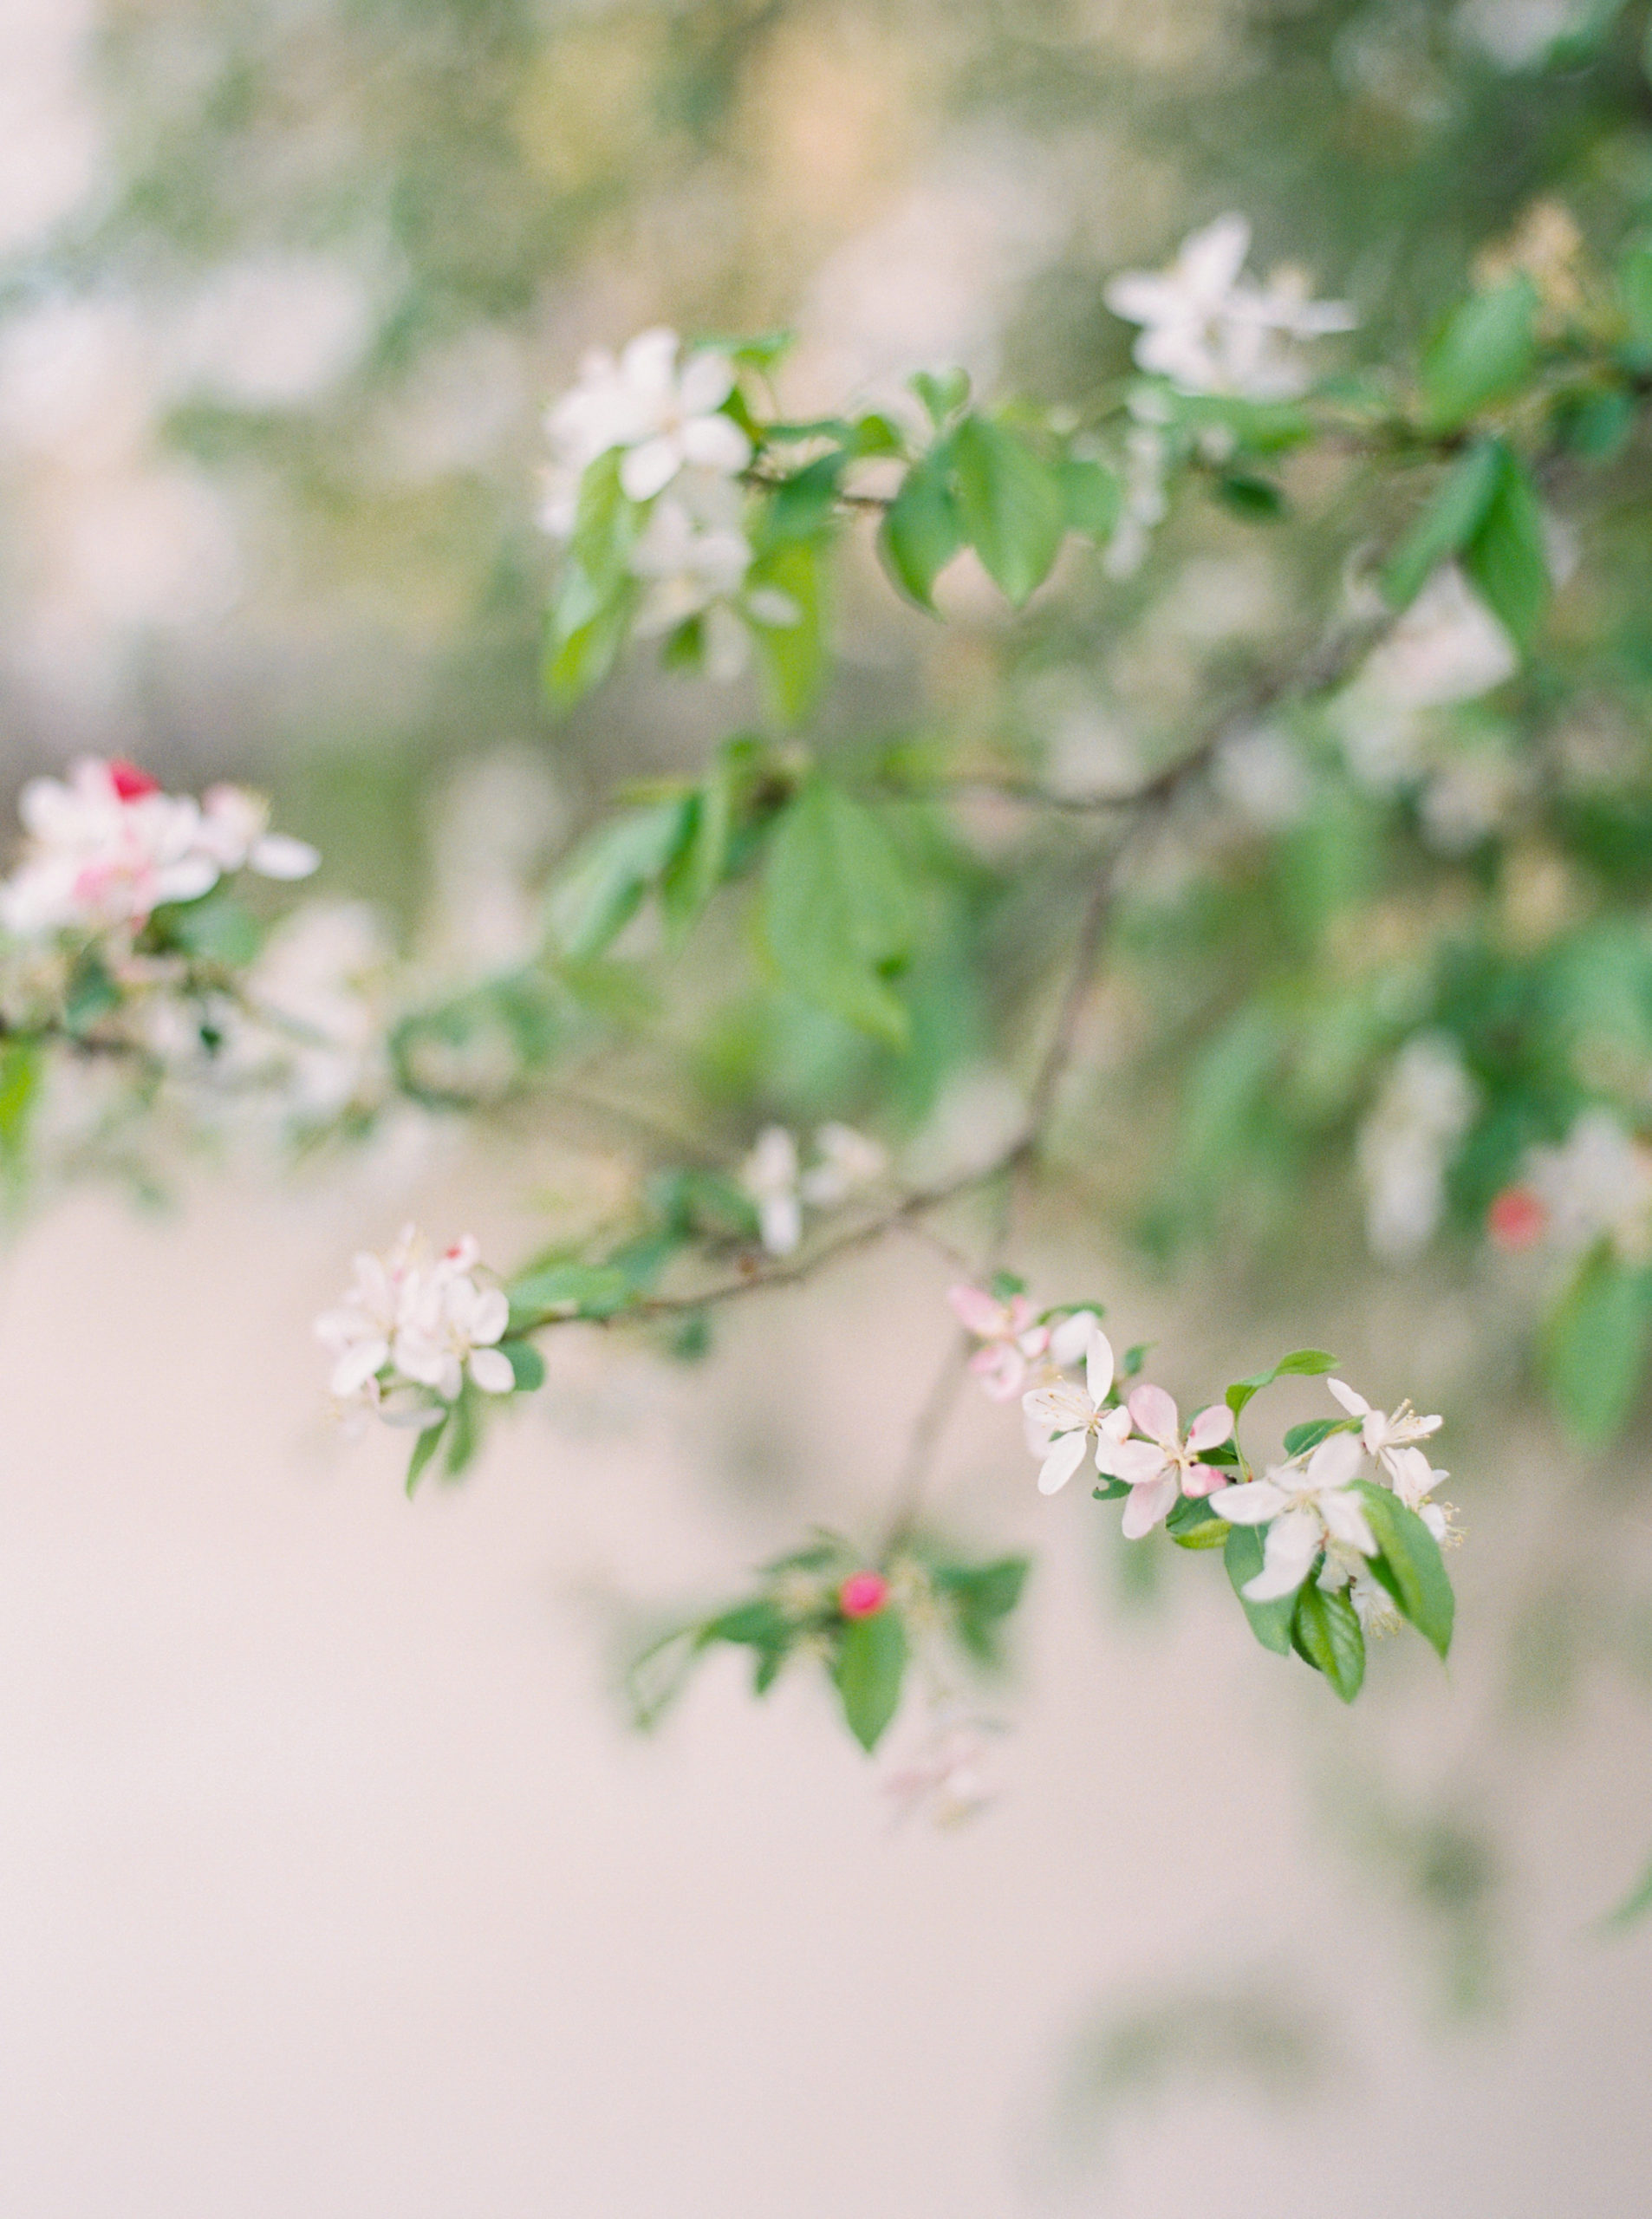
x=1518 y=1217
x=130 y=783
x=864 y=1594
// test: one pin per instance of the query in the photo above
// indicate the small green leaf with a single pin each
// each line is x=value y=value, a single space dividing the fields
x=1594 y=1347
x=1091 y=496
x=1308 y=1362
x=463 y=1435
x=604 y=884
x=1485 y=350
x=1299 y=1439
x=1259 y=498
x=698 y=867
x=1327 y=1633
x=92 y=994
x=1210 y=1533
x=1507 y=557
x=20 y=1061
x=1410 y=1565
x=1634 y=298
x=527 y=1365
x=1242 y=1553
x=871 y=1662
x=569 y=1290
x=216 y=929
x=982 y=1595
x=942 y=393
x=423 y=1449
x=793 y=654
x=1451 y=517
x=837 y=911
x=590 y=612
x=921 y=531
x=1013 y=505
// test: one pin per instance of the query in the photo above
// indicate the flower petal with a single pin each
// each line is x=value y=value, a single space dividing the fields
x=491 y=1371
x=1337 y=1460
x=976 y=1312
x=1211 y=1425
x=716 y=443
x=1293 y=1545
x=1147 y=1505
x=1345 y=1521
x=1098 y=1366
x=1356 y=1405
x=1064 y=1458
x=648 y=469
x=1071 y=1337
x=1253 y=1504
x=1155 y=1413
x=1135 y=1462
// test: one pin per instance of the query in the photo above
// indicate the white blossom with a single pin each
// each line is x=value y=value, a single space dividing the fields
x=1209 y=332
x=107 y=846
x=1598 y=1183
x=1387 y=1436
x=772 y=1176
x=694 y=560
x=1406 y=1144
x=665 y=415
x=1307 y=1505
x=415 y=1319
x=1077 y=1422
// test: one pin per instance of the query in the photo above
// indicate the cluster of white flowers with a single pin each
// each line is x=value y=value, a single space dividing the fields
x=774 y=1178
x=1595 y=1185
x=1210 y=331
x=682 y=455
x=1306 y=1502
x=107 y=847
x=1309 y=1506
x=1405 y=1145
x=414 y=1328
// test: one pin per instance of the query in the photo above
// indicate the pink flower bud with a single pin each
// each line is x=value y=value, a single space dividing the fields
x=1517 y=1218
x=130 y=783
x=864 y=1594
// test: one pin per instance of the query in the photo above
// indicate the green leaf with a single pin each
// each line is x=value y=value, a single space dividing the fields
x=526 y=1363
x=1451 y=517
x=942 y=394
x=1301 y=1361
x=1634 y=298
x=1259 y=498
x=423 y=1449
x=983 y=1596
x=590 y=612
x=1270 y=1622
x=1013 y=505
x=92 y=994
x=1507 y=559
x=1091 y=497
x=215 y=929
x=1595 y=1348
x=463 y=1434
x=794 y=656
x=1299 y=1439
x=921 y=531
x=1410 y=1565
x=20 y=1061
x=1634 y=1905
x=697 y=870
x=837 y=913
x=1484 y=352
x=802 y=505
x=569 y=1290
x=1210 y=1533
x=871 y=1662
x=758 y=1624
x=1327 y=1633
x=604 y=884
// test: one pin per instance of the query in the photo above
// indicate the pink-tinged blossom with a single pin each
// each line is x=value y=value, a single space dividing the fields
x=105 y=847
x=946 y=1779
x=1010 y=1338
x=1077 y=1421
x=1164 y=1465
x=1386 y=1436
x=1307 y=1505
x=666 y=414
x=416 y=1320
x=772 y=1176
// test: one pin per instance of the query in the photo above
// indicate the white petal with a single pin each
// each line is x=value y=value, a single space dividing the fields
x=278 y=855
x=648 y=469
x=1293 y=1545
x=1064 y=1458
x=491 y=1371
x=1356 y=1405
x=356 y=1366
x=489 y=1314
x=716 y=443
x=1253 y=1504
x=1337 y=1460
x=1345 y=1520
x=1098 y=1366
x=707 y=381
x=1071 y=1337
x=1059 y=1407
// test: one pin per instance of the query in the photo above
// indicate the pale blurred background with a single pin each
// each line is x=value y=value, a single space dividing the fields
x=332 y=1880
